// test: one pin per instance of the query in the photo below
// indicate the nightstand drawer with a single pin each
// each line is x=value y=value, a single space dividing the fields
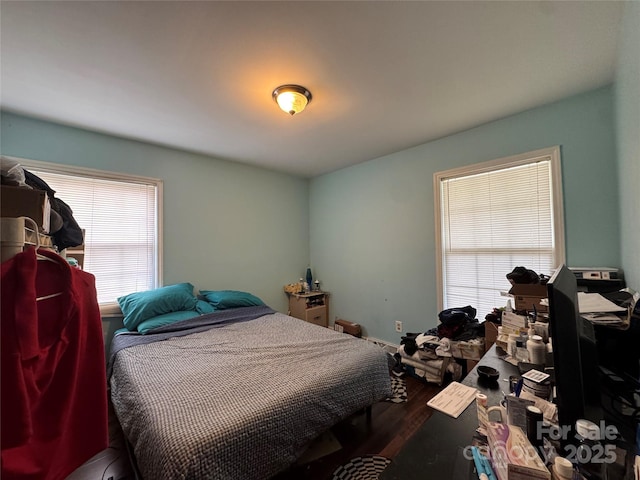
x=312 y=307
x=316 y=315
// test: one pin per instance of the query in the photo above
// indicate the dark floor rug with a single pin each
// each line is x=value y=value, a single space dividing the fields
x=398 y=389
x=362 y=468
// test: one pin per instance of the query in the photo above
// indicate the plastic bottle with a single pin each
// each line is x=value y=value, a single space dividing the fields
x=511 y=344
x=522 y=355
x=537 y=350
x=534 y=421
x=481 y=407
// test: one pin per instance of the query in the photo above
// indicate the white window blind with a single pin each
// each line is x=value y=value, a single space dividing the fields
x=491 y=221
x=120 y=220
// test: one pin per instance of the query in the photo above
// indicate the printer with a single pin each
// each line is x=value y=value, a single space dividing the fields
x=599 y=279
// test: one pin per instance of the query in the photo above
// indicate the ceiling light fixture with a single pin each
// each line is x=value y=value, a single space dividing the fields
x=292 y=98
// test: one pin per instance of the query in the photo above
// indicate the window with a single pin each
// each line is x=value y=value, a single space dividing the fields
x=492 y=217
x=120 y=216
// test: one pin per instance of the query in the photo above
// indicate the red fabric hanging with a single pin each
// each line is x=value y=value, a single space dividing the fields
x=53 y=385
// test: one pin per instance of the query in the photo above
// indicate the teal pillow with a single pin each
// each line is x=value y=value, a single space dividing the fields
x=204 y=307
x=223 y=299
x=166 y=319
x=140 y=306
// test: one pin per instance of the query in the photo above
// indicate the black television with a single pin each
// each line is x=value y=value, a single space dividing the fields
x=575 y=355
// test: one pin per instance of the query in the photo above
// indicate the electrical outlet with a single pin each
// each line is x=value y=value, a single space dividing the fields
x=398 y=326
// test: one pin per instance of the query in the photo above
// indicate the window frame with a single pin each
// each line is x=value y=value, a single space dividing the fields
x=553 y=153
x=110 y=308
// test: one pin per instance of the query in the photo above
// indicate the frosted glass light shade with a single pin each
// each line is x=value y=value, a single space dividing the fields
x=292 y=98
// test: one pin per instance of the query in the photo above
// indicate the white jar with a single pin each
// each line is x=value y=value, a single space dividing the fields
x=537 y=350
x=588 y=434
x=562 y=469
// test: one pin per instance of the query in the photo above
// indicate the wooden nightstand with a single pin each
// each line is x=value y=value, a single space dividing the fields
x=312 y=307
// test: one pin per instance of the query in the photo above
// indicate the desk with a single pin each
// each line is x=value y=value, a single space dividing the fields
x=433 y=450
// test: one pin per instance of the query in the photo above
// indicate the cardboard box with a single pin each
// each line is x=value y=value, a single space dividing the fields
x=490 y=334
x=528 y=295
x=348 y=327
x=512 y=455
x=514 y=323
x=26 y=202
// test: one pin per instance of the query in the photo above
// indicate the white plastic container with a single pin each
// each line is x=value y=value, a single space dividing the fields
x=537 y=350
x=588 y=450
x=562 y=469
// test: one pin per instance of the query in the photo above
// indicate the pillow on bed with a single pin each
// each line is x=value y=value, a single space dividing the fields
x=204 y=307
x=140 y=306
x=166 y=319
x=223 y=299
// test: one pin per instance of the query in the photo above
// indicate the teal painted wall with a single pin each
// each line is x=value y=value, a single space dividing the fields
x=372 y=225
x=628 y=136
x=370 y=237
x=226 y=225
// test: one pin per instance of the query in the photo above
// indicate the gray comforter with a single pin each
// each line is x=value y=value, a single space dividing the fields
x=242 y=400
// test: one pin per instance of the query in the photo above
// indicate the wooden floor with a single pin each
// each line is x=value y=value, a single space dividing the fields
x=391 y=425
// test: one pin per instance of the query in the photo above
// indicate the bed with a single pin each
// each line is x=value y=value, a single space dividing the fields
x=238 y=393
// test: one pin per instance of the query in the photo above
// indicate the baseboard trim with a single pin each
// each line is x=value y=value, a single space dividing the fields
x=386 y=346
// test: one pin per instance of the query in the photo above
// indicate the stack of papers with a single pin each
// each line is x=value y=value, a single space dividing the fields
x=453 y=399
x=598 y=310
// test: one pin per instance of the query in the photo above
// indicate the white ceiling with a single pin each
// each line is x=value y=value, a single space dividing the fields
x=384 y=76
